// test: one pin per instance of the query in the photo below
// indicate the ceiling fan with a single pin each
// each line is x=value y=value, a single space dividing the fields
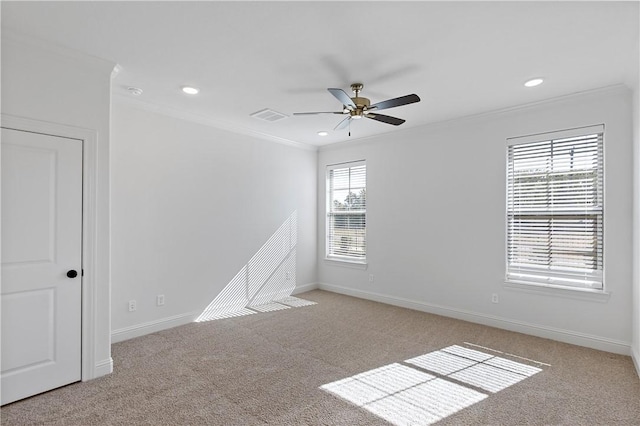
x=356 y=108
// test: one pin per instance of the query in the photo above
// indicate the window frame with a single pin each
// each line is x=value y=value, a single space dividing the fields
x=554 y=280
x=328 y=215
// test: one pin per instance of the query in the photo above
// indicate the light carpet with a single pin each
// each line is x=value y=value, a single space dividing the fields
x=344 y=361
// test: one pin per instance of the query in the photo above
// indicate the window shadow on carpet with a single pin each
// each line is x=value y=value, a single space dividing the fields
x=430 y=387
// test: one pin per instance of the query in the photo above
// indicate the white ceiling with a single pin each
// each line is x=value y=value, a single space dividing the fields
x=461 y=58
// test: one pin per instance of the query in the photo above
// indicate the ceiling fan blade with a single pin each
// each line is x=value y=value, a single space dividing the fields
x=318 y=112
x=342 y=96
x=386 y=119
x=341 y=125
x=396 y=102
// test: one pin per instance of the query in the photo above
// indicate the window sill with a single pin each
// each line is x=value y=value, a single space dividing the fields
x=588 y=294
x=346 y=263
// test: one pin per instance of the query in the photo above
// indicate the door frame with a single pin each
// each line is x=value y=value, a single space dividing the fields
x=89 y=317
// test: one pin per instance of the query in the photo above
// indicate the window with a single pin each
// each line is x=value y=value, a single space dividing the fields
x=555 y=208
x=347 y=211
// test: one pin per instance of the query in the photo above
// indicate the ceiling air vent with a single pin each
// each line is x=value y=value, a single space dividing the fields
x=268 y=115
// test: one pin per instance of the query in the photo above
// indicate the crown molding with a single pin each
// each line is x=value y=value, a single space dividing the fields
x=117 y=69
x=206 y=121
x=612 y=90
x=20 y=39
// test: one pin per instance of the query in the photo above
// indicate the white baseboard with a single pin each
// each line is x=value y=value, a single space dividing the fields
x=138 y=330
x=102 y=368
x=566 y=336
x=304 y=288
x=635 y=356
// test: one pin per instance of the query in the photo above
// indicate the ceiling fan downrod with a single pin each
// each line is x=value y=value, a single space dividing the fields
x=357 y=88
x=361 y=104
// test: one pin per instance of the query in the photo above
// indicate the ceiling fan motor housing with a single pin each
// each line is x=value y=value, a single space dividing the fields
x=362 y=104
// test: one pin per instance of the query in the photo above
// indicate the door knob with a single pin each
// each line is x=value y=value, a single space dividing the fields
x=72 y=273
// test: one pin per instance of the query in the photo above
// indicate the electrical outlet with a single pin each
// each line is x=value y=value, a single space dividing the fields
x=160 y=300
x=495 y=298
x=132 y=305
x=371 y=278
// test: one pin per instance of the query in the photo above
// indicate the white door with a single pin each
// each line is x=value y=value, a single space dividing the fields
x=41 y=247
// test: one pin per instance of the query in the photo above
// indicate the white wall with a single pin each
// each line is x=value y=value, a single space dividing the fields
x=191 y=205
x=436 y=222
x=44 y=83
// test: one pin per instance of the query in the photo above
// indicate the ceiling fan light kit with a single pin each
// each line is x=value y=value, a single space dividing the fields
x=358 y=107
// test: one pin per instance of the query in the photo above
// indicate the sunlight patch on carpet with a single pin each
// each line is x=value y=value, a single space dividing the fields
x=232 y=314
x=489 y=378
x=426 y=403
x=270 y=307
x=278 y=305
x=295 y=302
x=441 y=362
x=431 y=387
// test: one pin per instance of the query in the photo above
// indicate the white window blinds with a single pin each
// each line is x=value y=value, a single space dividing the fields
x=555 y=208
x=347 y=211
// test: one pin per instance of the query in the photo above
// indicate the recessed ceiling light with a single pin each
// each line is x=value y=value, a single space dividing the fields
x=323 y=133
x=190 y=90
x=136 y=91
x=534 y=82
